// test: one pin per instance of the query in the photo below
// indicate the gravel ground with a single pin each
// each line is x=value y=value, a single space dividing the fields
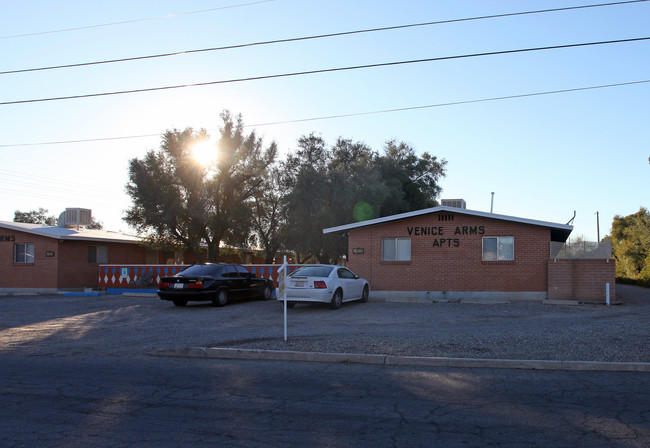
x=129 y=326
x=528 y=331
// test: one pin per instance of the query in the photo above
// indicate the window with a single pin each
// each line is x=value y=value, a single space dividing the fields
x=242 y=271
x=97 y=254
x=229 y=271
x=500 y=248
x=345 y=273
x=202 y=269
x=24 y=253
x=396 y=249
x=312 y=271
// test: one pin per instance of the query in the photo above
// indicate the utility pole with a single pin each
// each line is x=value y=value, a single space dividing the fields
x=598 y=226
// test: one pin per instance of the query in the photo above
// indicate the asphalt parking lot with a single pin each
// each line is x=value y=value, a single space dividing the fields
x=131 y=326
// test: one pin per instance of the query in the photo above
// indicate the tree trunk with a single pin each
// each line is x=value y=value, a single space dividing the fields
x=269 y=256
x=213 y=252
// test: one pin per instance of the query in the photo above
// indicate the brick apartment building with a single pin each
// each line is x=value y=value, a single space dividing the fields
x=441 y=253
x=41 y=257
x=451 y=253
x=50 y=258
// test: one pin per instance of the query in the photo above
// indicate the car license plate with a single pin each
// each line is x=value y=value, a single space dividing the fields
x=178 y=285
x=299 y=284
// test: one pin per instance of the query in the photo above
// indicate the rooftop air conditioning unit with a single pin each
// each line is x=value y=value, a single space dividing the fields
x=457 y=203
x=78 y=217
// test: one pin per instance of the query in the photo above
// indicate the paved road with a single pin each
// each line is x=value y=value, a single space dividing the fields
x=76 y=372
x=162 y=402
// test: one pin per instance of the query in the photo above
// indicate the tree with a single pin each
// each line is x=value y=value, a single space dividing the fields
x=631 y=245
x=307 y=197
x=35 y=217
x=413 y=181
x=348 y=182
x=178 y=201
x=94 y=224
x=40 y=217
x=269 y=217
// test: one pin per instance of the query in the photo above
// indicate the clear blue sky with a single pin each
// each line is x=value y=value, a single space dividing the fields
x=543 y=156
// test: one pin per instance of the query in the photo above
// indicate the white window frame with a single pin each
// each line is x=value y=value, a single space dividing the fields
x=402 y=245
x=501 y=254
x=28 y=255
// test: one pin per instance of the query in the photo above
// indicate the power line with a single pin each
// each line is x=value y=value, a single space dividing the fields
x=88 y=140
x=319 y=36
x=22 y=179
x=166 y=16
x=320 y=71
x=358 y=114
x=454 y=103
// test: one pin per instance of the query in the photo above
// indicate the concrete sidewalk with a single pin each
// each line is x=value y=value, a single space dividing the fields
x=392 y=360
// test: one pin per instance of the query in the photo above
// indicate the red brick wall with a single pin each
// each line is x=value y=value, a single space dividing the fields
x=581 y=279
x=41 y=274
x=76 y=272
x=455 y=266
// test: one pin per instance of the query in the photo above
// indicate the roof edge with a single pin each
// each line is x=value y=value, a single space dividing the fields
x=57 y=233
x=443 y=208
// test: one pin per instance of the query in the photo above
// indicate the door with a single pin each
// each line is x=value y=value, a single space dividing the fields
x=234 y=282
x=352 y=286
x=249 y=286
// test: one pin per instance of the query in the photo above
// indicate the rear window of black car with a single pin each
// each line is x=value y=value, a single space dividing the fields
x=312 y=271
x=242 y=271
x=202 y=269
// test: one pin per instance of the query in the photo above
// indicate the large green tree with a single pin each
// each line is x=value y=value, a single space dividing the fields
x=269 y=217
x=307 y=198
x=413 y=181
x=329 y=186
x=179 y=201
x=631 y=245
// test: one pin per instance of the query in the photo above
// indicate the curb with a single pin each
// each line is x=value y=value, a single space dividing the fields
x=394 y=360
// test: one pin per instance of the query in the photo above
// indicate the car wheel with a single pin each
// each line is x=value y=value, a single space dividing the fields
x=365 y=294
x=267 y=292
x=222 y=298
x=180 y=302
x=337 y=300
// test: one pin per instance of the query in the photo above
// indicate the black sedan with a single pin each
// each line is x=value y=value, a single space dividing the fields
x=218 y=283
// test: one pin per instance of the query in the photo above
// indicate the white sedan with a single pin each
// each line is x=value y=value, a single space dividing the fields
x=325 y=283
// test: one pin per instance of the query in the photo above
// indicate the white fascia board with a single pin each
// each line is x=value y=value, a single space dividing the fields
x=62 y=233
x=35 y=229
x=463 y=211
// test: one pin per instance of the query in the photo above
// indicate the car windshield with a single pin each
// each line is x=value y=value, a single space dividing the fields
x=312 y=271
x=201 y=269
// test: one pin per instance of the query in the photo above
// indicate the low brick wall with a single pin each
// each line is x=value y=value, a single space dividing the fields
x=148 y=275
x=581 y=279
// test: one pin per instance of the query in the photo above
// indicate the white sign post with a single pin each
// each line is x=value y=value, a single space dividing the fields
x=282 y=292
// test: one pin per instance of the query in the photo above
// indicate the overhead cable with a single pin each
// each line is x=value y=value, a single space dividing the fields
x=320 y=71
x=166 y=16
x=454 y=103
x=357 y=114
x=319 y=36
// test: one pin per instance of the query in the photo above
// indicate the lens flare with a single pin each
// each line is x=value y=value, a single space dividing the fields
x=363 y=211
